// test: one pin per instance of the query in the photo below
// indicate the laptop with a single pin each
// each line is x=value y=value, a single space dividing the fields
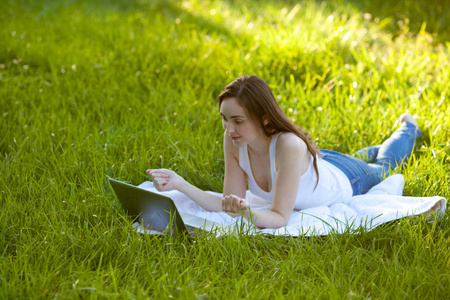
x=156 y=212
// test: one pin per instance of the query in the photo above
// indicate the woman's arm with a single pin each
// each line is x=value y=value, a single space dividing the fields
x=235 y=180
x=166 y=180
x=292 y=160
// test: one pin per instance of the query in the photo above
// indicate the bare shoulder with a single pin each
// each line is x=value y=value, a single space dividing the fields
x=288 y=142
x=291 y=151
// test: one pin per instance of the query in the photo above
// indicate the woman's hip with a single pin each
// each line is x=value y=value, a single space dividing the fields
x=362 y=176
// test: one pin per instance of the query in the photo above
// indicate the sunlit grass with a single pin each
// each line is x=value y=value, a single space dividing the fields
x=96 y=88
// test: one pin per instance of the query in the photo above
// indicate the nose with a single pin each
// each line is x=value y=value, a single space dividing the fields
x=229 y=128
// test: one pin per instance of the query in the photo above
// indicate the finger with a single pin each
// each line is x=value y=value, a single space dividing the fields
x=225 y=203
x=160 y=186
x=160 y=178
x=157 y=174
x=236 y=205
x=161 y=181
x=230 y=204
x=243 y=204
x=233 y=203
x=149 y=171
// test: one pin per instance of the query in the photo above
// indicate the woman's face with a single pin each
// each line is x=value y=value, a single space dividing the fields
x=238 y=124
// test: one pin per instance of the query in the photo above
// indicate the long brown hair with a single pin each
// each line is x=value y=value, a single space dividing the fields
x=255 y=95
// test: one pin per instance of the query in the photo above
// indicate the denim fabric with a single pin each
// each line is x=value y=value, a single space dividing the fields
x=374 y=163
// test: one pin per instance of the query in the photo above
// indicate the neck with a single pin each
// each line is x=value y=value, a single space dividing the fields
x=260 y=147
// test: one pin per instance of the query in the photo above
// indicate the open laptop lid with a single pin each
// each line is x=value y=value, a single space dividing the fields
x=155 y=211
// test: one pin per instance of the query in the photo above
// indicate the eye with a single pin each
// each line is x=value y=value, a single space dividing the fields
x=238 y=121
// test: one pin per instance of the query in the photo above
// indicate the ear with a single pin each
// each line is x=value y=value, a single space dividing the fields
x=265 y=120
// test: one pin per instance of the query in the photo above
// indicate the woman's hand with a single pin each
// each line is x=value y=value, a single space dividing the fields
x=233 y=204
x=165 y=180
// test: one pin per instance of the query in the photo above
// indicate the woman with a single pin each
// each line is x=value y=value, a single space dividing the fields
x=263 y=148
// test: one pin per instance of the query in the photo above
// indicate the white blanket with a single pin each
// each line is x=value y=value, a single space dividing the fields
x=383 y=203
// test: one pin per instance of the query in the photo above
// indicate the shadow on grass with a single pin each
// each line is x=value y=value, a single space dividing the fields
x=169 y=8
x=410 y=15
x=402 y=16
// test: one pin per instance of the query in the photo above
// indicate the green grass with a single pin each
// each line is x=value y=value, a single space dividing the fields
x=96 y=88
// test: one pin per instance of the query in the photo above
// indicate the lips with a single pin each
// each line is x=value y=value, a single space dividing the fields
x=234 y=138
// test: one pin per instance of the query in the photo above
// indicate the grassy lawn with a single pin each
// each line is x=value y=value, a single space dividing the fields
x=90 y=89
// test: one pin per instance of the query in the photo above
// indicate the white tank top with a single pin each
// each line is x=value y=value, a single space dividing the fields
x=333 y=186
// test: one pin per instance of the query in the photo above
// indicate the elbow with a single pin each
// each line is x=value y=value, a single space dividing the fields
x=278 y=220
x=282 y=218
x=273 y=226
x=283 y=223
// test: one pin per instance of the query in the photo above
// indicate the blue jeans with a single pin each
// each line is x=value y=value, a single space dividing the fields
x=373 y=164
